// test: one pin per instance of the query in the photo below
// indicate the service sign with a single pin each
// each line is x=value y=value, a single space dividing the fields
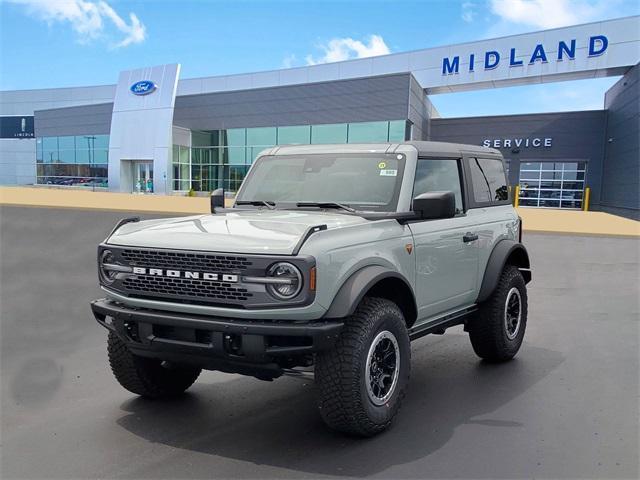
x=522 y=142
x=143 y=87
x=17 y=127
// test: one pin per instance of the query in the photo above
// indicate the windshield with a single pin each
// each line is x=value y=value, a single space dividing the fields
x=361 y=181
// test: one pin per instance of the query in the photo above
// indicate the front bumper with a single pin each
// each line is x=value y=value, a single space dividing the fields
x=214 y=342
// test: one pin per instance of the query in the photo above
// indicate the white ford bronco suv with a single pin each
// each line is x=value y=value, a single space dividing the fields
x=333 y=258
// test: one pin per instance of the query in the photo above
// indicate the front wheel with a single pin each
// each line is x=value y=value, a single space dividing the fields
x=363 y=380
x=148 y=377
x=497 y=331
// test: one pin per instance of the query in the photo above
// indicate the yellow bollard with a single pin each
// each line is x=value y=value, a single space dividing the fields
x=585 y=199
x=516 y=195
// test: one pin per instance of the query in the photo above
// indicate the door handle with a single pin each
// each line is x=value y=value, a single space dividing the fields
x=469 y=237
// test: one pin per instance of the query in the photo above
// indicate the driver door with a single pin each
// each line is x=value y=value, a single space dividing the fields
x=446 y=250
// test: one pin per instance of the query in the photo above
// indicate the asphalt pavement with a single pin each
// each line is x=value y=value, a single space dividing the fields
x=566 y=407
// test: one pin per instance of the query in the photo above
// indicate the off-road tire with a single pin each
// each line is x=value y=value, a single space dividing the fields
x=147 y=377
x=488 y=331
x=340 y=373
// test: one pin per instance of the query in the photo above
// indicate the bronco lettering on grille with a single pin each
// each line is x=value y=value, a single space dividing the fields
x=225 y=277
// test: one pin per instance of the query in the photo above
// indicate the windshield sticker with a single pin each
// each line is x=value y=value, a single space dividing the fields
x=382 y=165
x=388 y=173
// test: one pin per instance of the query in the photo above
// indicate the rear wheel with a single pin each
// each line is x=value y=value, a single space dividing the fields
x=363 y=380
x=148 y=377
x=497 y=332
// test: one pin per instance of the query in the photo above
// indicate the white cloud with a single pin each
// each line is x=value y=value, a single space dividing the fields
x=339 y=49
x=468 y=11
x=289 y=61
x=90 y=20
x=549 y=13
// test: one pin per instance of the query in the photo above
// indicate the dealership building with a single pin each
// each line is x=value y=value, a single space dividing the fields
x=154 y=132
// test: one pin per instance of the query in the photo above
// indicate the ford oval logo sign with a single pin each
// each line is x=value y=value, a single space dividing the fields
x=143 y=87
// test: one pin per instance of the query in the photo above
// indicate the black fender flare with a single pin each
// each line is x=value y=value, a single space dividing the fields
x=501 y=252
x=353 y=290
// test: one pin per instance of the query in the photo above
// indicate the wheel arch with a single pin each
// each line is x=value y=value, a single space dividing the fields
x=374 y=281
x=505 y=252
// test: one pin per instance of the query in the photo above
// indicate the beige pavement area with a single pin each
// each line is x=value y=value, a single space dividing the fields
x=534 y=220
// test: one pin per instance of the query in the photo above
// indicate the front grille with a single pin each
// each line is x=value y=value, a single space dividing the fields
x=168 y=276
x=183 y=287
x=186 y=261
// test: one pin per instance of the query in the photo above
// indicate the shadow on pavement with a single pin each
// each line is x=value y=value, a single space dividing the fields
x=270 y=424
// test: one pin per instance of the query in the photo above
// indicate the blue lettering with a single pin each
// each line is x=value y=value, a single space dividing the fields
x=512 y=59
x=598 y=45
x=538 y=54
x=490 y=62
x=594 y=51
x=449 y=67
x=570 y=51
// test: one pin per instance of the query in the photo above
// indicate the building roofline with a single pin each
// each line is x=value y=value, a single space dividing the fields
x=511 y=115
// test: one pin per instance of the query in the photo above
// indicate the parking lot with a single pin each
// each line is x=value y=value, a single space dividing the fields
x=566 y=407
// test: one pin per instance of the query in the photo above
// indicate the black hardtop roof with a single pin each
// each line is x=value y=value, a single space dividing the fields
x=431 y=148
x=424 y=148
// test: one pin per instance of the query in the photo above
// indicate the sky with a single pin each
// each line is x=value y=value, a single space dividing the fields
x=61 y=43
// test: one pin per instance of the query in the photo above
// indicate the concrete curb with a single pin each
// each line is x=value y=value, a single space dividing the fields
x=535 y=220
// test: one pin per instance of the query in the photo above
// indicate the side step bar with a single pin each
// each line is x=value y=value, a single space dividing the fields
x=439 y=325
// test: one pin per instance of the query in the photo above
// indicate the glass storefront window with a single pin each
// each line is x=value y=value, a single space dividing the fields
x=68 y=143
x=184 y=154
x=294 y=135
x=67 y=156
x=262 y=136
x=182 y=158
x=80 y=160
x=236 y=155
x=368 y=132
x=100 y=156
x=101 y=142
x=552 y=184
x=221 y=158
x=397 y=130
x=50 y=143
x=39 y=150
x=333 y=133
x=236 y=137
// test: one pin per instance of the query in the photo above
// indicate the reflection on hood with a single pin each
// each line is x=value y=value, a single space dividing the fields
x=244 y=231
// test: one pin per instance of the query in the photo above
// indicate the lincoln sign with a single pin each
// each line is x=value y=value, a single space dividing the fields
x=491 y=59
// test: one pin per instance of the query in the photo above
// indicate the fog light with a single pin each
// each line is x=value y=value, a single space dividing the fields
x=289 y=280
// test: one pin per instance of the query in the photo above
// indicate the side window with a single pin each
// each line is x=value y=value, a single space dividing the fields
x=488 y=179
x=438 y=176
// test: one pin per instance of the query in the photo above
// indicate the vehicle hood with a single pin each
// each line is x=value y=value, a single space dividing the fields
x=245 y=231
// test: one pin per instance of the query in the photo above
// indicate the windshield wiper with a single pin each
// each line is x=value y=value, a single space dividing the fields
x=257 y=203
x=341 y=206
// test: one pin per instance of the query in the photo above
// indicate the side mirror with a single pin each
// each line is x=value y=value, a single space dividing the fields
x=432 y=205
x=217 y=199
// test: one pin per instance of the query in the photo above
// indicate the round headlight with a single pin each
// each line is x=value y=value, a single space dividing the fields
x=290 y=280
x=107 y=275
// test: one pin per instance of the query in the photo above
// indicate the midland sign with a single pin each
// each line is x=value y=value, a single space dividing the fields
x=564 y=50
x=592 y=50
